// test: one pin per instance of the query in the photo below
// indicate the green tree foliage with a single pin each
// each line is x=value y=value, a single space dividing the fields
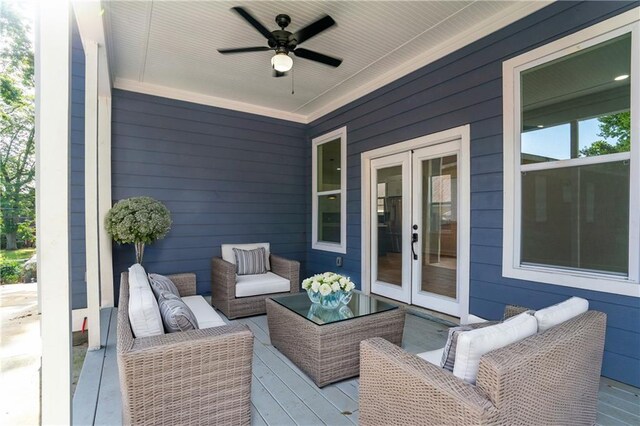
x=17 y=122
x=613 y=126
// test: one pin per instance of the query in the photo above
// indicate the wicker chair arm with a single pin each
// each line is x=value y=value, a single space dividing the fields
x=223 y=279
x=569 y=354
x=399 y=388
x=289 y=269
x=186 y=283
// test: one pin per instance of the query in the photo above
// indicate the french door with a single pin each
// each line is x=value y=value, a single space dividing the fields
x=415 y=200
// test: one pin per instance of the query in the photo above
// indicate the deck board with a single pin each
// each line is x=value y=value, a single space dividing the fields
x=282 y=394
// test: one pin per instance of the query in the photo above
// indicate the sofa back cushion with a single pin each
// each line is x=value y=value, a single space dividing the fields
x=475 y=343
x=176 y=315
x=229 y=256
x=561 y=312
x=144 y=314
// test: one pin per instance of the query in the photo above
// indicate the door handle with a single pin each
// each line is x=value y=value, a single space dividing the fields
x=414 y=239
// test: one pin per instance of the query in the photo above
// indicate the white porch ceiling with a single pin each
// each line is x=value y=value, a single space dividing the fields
x=168 y=48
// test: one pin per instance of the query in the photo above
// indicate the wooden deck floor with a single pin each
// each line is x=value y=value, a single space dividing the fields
x=281 y=394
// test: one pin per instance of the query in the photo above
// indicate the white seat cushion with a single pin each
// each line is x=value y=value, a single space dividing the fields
x=475 y=343
x=561 y=312
x=434 y=357
x=253 y=285
x=144 y=314
x=205 y=314
x=229 y=256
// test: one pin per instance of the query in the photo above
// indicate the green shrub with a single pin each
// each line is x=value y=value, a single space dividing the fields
x=10 y=272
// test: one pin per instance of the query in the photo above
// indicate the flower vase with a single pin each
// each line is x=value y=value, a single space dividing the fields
x=330 y=301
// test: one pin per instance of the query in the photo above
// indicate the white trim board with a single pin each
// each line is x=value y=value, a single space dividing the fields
x=463 y=133
x=511 y=264
x=198 y=98
x=510 y=15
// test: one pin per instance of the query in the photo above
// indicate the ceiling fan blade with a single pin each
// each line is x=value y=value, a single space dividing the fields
x=318 y=57
x=245 y=49
x=314 y=29
x=279 y=74
x=253 y=21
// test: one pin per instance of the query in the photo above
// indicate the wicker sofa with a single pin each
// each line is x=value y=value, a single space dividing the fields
x=223 y=286
x=191 y=377
x=550 y=378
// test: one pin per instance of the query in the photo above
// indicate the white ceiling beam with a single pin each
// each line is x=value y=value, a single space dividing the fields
x=89 y=17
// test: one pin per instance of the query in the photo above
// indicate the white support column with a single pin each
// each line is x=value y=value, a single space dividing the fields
x=91 y=191
x=104 y=198
x=52 y=190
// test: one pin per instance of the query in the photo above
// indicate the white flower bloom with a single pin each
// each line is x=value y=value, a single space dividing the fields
x=328 y=274
x=325 y=289
x=335 y=286
x=343 y=281
x=306 y=284
x=315 y=285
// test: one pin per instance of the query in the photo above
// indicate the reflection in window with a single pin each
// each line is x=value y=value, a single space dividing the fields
x=578 y=106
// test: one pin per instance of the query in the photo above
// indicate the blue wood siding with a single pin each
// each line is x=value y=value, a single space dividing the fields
x=78 y=264
x=226 y=177
x=466 y=87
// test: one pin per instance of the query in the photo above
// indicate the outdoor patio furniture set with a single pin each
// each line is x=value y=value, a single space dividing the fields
x=541 y=367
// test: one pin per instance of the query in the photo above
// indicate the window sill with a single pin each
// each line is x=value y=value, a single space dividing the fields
x=333 y=247
x=585 y=281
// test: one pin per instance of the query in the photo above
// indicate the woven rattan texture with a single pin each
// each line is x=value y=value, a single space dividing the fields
x=330 y=352
x=198 y=377
x=550 y=378
x=223 y=287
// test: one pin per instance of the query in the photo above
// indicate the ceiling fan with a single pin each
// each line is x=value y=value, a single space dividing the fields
x=284 y=42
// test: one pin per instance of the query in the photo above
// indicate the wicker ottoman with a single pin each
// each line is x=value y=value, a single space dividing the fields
x=330 y=352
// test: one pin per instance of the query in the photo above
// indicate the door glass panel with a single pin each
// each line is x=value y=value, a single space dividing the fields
x=389 y=222
x=440 y=225
x=329 y=218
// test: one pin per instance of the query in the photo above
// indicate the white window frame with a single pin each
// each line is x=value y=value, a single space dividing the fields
x=624 y=23
x=341 y=134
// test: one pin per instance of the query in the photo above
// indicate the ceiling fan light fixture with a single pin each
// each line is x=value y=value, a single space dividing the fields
x=281 y=62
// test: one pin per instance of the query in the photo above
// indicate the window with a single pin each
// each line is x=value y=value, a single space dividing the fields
x=329 y=192
x=571 y=175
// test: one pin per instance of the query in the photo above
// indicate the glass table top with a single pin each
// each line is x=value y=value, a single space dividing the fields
x=360 y=305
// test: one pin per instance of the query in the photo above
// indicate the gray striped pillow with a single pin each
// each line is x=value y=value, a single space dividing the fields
x=449 y=354
x=160 y=283
x=176 y=315
x=250 y=262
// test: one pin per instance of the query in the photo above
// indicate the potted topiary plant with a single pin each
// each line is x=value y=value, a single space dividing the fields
x=138 y=220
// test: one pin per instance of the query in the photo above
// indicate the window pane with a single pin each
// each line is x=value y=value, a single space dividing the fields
x=329 y=218
x=578 y=105
x=328 y=166
x=577 y=217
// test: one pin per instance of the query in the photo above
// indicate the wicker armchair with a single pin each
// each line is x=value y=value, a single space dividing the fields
x=199 y=376
x=223 y=287
x=549 y=378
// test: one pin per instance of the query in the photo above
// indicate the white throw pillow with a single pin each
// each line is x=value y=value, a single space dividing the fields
x=475 y=343
x=229 y=256
x=144 y=313
x=561 y=312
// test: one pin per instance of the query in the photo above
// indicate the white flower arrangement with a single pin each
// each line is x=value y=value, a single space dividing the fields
x=328 y=283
